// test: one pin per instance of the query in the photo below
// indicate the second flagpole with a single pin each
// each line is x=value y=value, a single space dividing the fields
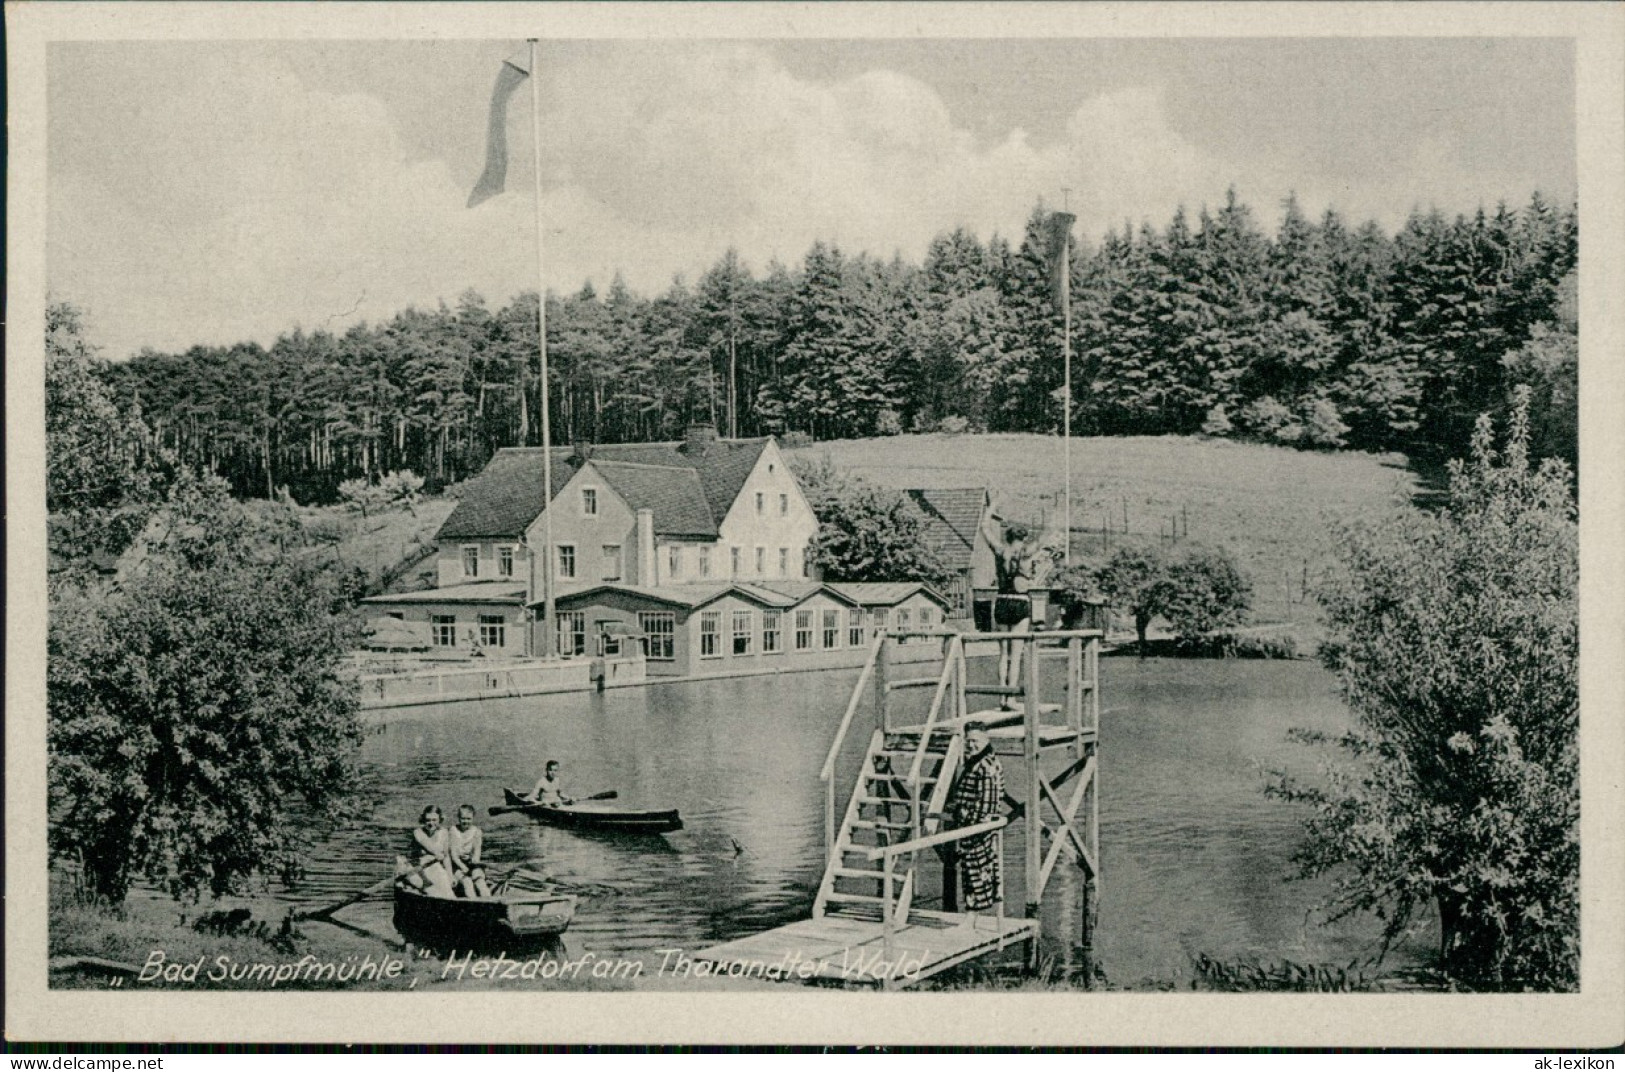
x=549 y=638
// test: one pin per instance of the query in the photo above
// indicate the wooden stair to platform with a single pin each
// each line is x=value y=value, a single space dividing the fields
x=865 y=927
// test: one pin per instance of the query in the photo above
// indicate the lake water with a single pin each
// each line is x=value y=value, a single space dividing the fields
x=1194 y=859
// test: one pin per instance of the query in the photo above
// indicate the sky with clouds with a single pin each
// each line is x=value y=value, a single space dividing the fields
x=209 y=192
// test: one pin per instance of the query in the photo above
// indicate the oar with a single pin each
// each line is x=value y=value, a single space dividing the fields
x=377 y=887
x=504 y=809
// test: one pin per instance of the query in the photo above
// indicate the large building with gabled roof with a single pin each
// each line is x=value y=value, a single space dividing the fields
x=702 y=510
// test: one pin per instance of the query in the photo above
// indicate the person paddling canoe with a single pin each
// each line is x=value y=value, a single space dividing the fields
x=429 y=852
x=465 y=842
x=549 y=789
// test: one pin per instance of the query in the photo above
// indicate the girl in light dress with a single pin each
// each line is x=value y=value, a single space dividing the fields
x=429 y=856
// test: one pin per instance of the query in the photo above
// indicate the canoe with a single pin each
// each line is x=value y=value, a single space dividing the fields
x=598 y=816
x=467 y=921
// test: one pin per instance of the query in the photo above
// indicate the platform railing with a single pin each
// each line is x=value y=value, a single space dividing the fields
x=891 y=920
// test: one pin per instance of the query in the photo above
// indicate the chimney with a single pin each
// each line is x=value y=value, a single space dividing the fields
x=646 y=548
x=701 y=436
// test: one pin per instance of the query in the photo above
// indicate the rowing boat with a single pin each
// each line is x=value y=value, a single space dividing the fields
x=470 y=921
x=598 y=816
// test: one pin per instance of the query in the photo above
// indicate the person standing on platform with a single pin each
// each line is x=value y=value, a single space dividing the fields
x=1015 y=556
x=977 y=797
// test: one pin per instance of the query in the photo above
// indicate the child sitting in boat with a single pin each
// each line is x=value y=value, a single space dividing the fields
x=429 y=856
x=465 y=842
x=549 y=789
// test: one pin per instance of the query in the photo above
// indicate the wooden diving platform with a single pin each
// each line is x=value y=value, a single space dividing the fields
x=852 y=951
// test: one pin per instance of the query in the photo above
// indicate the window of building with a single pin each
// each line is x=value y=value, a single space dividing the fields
x=733 y=561
x=505 y=561
x=612 y=562
x=397 y=615
x=471 y=562
x=660 y=626
x=902 y=625
x=761 y=562
x=589 y=502
x=744 y=629
x=926 y=617
x=784 y=505
x=567 y=562
x=705 y=562
x=880 y=619
x=761 y=504
x=493 y=631
x=770 y=632
x=674 y=562
x=443 y=630
x=854 y=627
x=806 y=560
x=710 y=626
x=572 y=633
x=832 y=629
x=803 y=630
x=784 y=561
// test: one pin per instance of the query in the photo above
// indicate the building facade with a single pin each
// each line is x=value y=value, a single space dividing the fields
x=702 y=511
x=714 y=630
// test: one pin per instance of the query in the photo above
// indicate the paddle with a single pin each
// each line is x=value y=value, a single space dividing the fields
x=504 y=809
x=376 y=887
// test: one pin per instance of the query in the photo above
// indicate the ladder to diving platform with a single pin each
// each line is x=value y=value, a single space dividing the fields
x=865 y=926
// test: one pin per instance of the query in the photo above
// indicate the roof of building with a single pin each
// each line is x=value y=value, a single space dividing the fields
x=506 y=496
x=796 y=591
x=473 y=592
x=775 y=595
x=673 y=495
x=677 y=595
x=885 y=593
x=953 y=518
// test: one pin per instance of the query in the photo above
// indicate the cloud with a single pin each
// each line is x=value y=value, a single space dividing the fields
x=224 y=198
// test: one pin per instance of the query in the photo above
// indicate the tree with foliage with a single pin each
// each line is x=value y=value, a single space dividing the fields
x=1456 y=638
x=866 y=533
x=1206 y=591
x=1135 y=579
x=100 y=467
x=189 y=745
x=1195 y=589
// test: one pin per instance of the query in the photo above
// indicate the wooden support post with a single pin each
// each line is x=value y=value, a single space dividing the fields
x=1035 y=822
x=1091 y=879
x=882 y=721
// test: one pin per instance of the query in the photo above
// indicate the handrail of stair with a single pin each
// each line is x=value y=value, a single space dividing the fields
x=881 y=852
x=939 y=795
x=949 y=668
x=828 y=770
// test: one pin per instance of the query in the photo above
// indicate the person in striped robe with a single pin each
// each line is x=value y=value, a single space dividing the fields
x=977 y=797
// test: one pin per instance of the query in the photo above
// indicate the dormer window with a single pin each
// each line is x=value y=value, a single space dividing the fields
x=589 y=502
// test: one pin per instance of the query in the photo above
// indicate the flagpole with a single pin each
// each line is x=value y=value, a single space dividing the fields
x=1066 y=357
x=549 y=613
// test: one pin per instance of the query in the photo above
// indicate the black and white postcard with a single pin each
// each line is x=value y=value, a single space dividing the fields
x=937 y=524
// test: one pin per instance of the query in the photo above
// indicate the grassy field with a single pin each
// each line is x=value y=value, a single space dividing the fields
x=1271 y=506
x=380 y=541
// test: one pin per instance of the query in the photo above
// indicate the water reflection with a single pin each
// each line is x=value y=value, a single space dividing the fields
x=1193 y=857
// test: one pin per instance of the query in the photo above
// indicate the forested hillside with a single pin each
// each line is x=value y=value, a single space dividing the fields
x=1324 y=334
